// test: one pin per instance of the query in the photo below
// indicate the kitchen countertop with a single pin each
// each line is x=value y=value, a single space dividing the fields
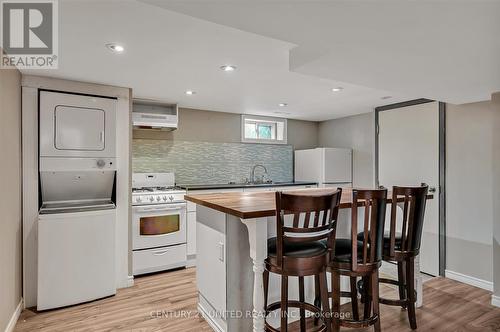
x=261 y=204
x=243 y=185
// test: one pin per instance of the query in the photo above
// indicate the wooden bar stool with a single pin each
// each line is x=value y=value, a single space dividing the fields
x=360 y=257
x=298 y=250
x=403 y=244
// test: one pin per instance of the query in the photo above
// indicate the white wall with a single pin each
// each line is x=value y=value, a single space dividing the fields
x=469 y=189
x=10 y=195
x=356 y=132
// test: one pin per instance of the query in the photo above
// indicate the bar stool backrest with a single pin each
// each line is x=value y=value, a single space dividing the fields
x=413 y=201
x=373 y=202
x=314 y=218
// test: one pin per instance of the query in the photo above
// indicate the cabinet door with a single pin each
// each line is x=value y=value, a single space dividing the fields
x=78 y=128
x=191 y=233
x=211 y=266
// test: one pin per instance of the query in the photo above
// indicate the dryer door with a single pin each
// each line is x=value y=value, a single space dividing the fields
x=76 y=126
x=79 y=128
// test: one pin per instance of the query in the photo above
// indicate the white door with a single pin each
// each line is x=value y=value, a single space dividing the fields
x=409 y=155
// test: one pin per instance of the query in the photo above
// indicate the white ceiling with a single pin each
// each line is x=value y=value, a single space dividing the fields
x=443 y=50
x=168 y=53
x=286 y=51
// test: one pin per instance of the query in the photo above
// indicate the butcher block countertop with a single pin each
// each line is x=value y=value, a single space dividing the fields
x=247 y=205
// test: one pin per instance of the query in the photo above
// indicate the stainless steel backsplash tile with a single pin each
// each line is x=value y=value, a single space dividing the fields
x=211 y=163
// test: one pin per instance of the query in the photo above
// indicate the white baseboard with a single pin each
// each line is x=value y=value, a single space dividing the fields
x=130 y=281
x=495 y=300
x=216 y=327
x=476 y=282
x=15 y=316
x=125 y=282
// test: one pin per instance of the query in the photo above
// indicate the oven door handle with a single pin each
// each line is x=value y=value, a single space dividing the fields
x=159 y=209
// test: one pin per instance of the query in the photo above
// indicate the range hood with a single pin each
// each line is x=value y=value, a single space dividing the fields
x=154 y=115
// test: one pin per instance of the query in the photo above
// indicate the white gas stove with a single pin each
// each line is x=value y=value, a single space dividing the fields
x=158 y=223
x=157 y=195
x=155 y=188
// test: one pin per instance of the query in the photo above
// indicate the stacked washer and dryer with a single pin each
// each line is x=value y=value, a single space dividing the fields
x=77 y=173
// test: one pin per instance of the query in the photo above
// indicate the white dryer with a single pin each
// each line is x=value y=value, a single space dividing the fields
x=76 y=224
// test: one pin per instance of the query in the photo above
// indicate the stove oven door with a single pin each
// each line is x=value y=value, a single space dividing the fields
x=159 y=225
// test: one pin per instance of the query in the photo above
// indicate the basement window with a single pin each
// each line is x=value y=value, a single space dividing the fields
x=262 y=129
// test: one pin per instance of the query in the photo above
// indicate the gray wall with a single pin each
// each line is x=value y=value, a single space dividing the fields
x=356 y=132
x=469 y=189
x=207 y=126
x=496 y=194
x=473 y=164
x=10 y=195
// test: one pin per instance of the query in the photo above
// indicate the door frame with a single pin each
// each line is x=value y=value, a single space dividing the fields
x=442 y=167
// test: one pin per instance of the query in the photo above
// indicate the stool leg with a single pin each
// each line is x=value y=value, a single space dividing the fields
x=324 y=301
x=410 y=290
x=336 y=301
x=375 y=299
x=284 y=304
x=266 y=288
x=368 y=302
x=302 y=300
x=354 y=299
x=317 y=297
x=401 y=281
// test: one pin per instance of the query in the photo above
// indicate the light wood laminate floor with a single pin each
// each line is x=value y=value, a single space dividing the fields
x=155 y=303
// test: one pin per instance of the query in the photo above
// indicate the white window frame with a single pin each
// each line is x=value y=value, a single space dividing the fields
x=263 y=119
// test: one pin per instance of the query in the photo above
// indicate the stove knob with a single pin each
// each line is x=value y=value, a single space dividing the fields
x=158 y=198
x=138 y=200
x=171 y=198
x=165 y=198
x=151 y=198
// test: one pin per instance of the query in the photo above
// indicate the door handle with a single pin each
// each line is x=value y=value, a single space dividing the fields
x=101 y=136
x=221 y=251
x=432 y=189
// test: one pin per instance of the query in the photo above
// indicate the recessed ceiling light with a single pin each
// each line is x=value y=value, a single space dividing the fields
x=115 y=48
x=283 y=104
x=337 y=89
x=386 y=97
x=190 y=92
x=228 y=68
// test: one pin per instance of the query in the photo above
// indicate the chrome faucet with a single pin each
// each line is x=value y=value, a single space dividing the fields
x=252 y=173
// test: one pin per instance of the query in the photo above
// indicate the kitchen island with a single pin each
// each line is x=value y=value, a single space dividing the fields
x=232 y=233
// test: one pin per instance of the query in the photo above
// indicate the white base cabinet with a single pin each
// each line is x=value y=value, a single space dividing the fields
x=192 y=249
x=191 y=213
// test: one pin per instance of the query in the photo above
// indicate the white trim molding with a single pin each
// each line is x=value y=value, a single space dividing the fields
x=213 y=324
x=476 y=282
x=130 y=281
x=495 y=300
x=15 y=316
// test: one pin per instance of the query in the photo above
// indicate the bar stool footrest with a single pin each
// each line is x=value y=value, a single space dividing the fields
x=359 y=323
x=299 y=305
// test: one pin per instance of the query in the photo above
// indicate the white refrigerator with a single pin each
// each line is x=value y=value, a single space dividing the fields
x=329 y=167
